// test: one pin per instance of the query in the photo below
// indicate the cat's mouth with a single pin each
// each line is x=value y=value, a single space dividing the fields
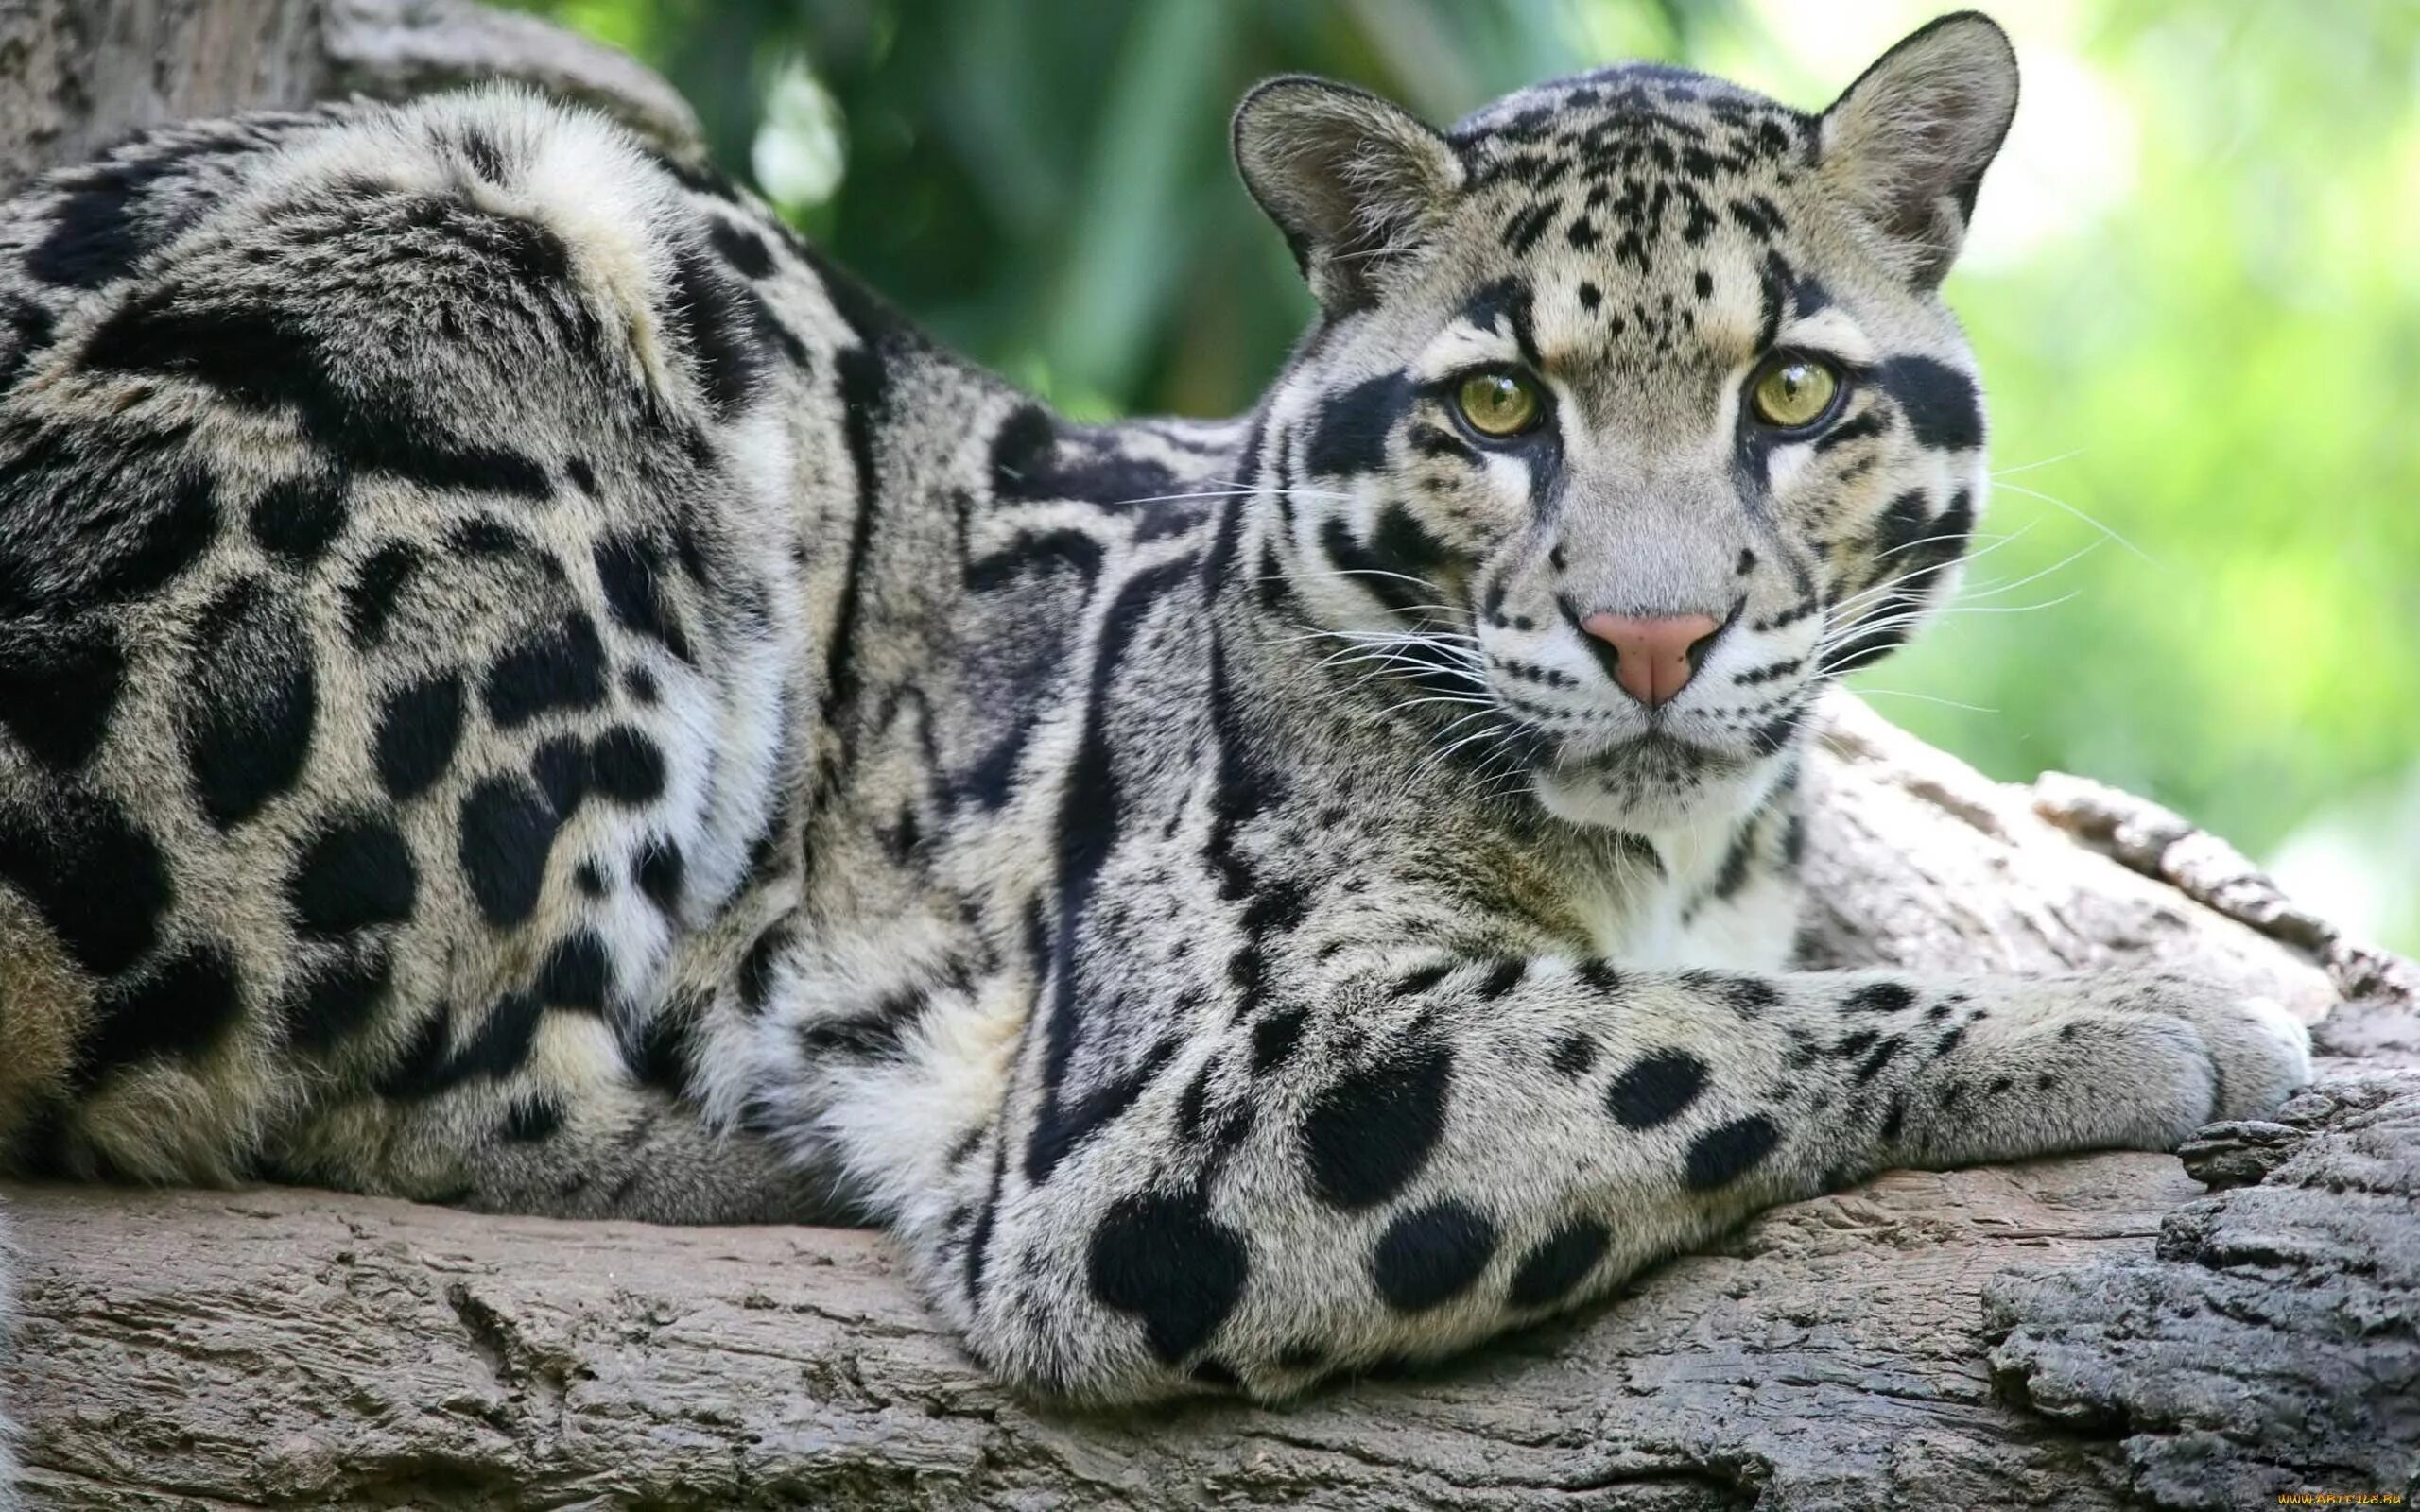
x=1657 y=750
x=1583 y=743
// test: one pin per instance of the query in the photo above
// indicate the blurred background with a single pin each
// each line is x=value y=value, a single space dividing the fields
x=2194 y=282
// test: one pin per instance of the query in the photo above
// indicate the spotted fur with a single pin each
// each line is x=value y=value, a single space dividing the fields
x=521 y=686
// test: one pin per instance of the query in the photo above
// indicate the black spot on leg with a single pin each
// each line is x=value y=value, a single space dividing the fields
x=1656 y=1089
x=338 y=999
x=1301 y=1358
x=1193 y=1108
x=1856 y=1044
x=560 y=764
x=627 y=766
x=96 y=877
x=561 y=668
x=1878 y=997
x=1872 y=1064
x=1574 y=1054
x=657 y=871
x=1747 y=996
x=531 y=1119
x=58 y=685
x=1216 y=1373
x=253 y=700
x=354 y=874
x=1167 y=1261
x=1367 y=1135
x=878 y=1032
x=298 y=518
x=1275 y=1038
x=1501 y=979
x=418 y=727
x=1551 y=1272
x=1723 y=1155
x=1431 y=1255
x=629 y=570
x=659 y=1054
x=182 y=1006
x=506 y=830
x=376 y=591
x=756 y=967
x=576 y=974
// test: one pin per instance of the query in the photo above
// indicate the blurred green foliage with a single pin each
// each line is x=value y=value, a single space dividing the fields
x=2195 y=284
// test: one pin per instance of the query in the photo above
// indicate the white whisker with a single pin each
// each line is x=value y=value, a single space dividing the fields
x=2028 y=467
x=2070 y=509
x=1926 y=697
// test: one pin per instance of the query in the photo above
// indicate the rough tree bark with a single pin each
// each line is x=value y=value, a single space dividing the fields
x=2081 y=1332
x=76 y=75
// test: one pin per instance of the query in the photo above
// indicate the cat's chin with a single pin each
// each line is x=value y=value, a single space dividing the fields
x=1653 y=784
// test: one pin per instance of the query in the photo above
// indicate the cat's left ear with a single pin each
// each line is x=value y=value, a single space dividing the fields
x=1905 y=146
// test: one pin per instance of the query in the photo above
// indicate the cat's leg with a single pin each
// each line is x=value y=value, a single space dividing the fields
x=1414 y=1163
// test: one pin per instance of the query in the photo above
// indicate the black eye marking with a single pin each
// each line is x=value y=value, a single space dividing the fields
x=1348 y=434
x=1430 y=440
x=1941 y=402
x=1506 y=301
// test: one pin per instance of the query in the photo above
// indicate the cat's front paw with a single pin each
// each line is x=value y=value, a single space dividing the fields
x=2259 y=1052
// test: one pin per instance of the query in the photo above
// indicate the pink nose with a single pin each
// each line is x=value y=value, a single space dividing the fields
x=1652 y=657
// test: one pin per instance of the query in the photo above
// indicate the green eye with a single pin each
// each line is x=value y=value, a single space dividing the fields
x=1498 y=403
x=1794 y=391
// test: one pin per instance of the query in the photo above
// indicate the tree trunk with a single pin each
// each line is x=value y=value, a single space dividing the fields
x=76 y=75
x=2079 y=1333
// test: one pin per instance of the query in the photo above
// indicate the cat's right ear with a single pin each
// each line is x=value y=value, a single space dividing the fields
x=1355 y=183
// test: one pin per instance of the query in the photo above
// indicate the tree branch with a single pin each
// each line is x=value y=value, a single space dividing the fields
x=1961 y=1339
